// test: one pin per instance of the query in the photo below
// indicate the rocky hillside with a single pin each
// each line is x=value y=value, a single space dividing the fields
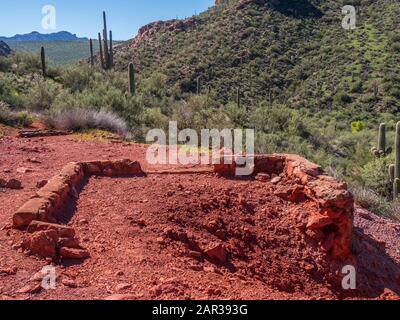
x=293 y=52
x=4 y=49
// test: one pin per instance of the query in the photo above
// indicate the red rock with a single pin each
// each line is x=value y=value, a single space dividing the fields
x=34 y=160
x=14 y=184
x=120 y=297
x=72 y=253
x=42 y=243
x=263 y=177
x=31 y=288
x=276 y=180
x=29 y=212
x=69 y=243
x=93 y=168
x=83 y=222
x=209 y=269
x=24 y=170
x=122 y=287
x=218 y=253
x=389 y=295
x=195 y=255
x=3 y=183
x=40 y=184
x=9 y=271
x=69 y=283
x=317 y=221
x=73 y=172
x=62 y=231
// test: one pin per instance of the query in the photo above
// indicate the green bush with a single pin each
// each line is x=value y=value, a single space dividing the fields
x=375 y=176
x=357 y=126
x=16 y=119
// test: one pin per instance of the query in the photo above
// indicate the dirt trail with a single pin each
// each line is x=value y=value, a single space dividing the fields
x=148 y=236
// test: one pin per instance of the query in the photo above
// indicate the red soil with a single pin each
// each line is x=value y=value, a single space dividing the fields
x=148 y=236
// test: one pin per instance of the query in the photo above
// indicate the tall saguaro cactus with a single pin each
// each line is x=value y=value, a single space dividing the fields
x=91 y=53
x=198 y=85
x=381 y=149
x=397 y=153
x=106 y=47
x=101 y=52
x=238 y=97
x=111 y=52
x=394 y=170
x=43 y=61
x=382 y=138
x=131 y=76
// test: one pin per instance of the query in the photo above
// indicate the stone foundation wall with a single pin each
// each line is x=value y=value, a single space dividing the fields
x=39 y=216
x=332 y=222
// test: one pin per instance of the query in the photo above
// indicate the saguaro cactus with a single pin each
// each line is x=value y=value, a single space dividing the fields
x=106 y=47
x=381 y=150
x=397 y=155
x=238 y=97
x=101 y=52
x=91 y=53
x=391 y=173
x=111 y=50
x=382 y=138
x=131 y=76
x=396 y=188
x=43 y=61
x=199 y=85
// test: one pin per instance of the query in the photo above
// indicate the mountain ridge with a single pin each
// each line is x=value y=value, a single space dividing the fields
x=36 y=36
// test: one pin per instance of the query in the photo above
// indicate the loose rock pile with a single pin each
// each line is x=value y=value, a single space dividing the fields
x=10 y=184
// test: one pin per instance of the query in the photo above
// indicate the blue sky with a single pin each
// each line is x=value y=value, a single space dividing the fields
x=84 y=17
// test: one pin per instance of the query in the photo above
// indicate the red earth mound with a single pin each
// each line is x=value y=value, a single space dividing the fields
x=195 y=235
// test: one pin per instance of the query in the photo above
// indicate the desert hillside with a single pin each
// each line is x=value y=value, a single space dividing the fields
x=281 y=52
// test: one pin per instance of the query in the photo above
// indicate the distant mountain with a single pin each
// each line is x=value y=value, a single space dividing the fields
x=36 y=36
x=4 y=49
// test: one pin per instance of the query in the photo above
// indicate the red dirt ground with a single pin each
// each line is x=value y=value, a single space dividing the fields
x=144 y=235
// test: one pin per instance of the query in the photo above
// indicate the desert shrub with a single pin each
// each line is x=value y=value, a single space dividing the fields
x=357 y=126
x=41 y=95
x=342 y=98
x=154 y=119
x=374 y=175
x=27 y=62
x=84 y=119
x=10 y=118
x=5 y=64
x=238 y=115
x=9 y=92
x=375 y=203
x=76 y=78
x=200 y=112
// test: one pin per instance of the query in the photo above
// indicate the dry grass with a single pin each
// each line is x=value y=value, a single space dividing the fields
x=370 y=200
x=85 y=119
